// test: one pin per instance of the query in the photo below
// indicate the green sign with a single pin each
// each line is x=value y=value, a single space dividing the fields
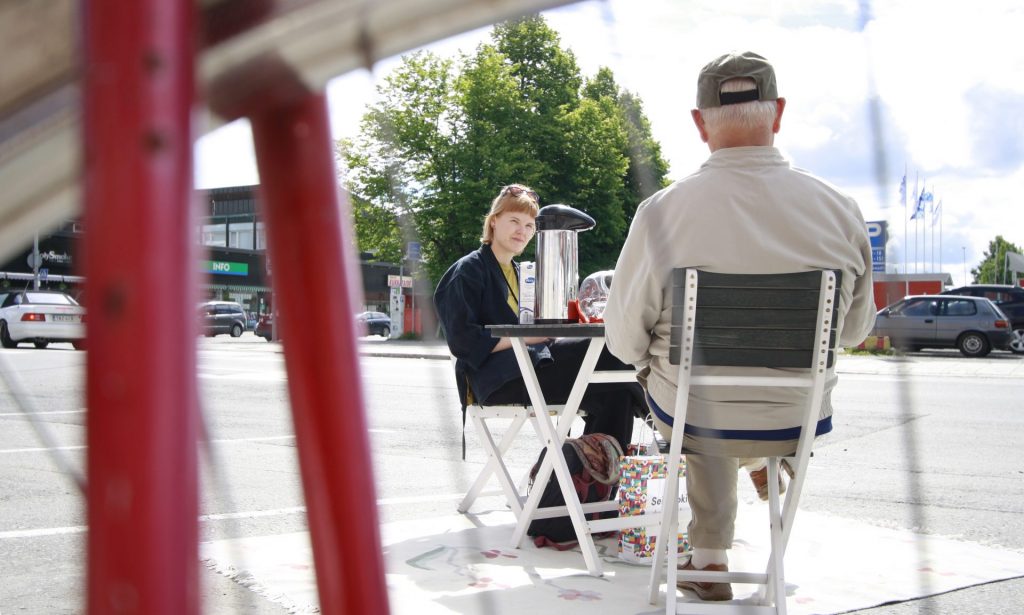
x=226 y=268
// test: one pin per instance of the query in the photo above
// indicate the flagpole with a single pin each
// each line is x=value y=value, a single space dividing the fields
x=906 y=245
x=932 y=227
x=917 y=226
x=921 y=214
x=940 y=235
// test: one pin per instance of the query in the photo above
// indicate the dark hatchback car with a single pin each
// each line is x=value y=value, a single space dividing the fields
x=974 y=325
x=219 y=317
x=374 y=323
x=1010 y=300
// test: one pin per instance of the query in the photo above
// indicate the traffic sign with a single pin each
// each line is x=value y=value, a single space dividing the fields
x=396 y=281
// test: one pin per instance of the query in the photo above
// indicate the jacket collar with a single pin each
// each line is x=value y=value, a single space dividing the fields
x=488 y=255
x=494 y=270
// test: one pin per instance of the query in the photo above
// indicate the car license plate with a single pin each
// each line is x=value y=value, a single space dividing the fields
x=65 y=318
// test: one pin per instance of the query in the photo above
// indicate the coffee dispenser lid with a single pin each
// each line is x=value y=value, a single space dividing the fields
x=560 y=217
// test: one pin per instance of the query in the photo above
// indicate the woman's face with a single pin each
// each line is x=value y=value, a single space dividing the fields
x=512 y=230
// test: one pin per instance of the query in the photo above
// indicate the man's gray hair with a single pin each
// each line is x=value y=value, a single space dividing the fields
x=753 y=114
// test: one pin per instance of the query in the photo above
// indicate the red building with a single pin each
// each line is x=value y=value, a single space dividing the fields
x=891 y=287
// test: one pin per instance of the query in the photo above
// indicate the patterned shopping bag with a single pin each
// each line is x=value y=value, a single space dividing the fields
x=641 y=486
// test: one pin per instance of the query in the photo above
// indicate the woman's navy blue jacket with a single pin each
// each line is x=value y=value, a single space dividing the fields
x=473 y=293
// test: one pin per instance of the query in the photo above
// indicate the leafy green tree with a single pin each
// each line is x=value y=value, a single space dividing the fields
x=547 y=75
x=991 y=269
x=447 y=134
x=376 y=227
x=593 y=149
x=493 y=150
x=647 y=171
x=402 y=153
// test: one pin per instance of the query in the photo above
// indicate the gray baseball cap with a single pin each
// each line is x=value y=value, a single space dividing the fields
x=730 y=66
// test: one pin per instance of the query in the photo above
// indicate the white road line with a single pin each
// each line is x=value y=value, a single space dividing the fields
x=78 y=529
x=12 y=451
x=249 y=514
x=42 y=532
x=257 y=439
x=254 y=514
x=243 y=377
x=48 y=413
x=82 y=446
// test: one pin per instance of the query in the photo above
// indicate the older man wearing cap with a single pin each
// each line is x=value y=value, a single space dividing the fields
x=745 y=210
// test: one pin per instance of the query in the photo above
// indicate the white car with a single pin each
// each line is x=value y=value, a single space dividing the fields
x=40 y=317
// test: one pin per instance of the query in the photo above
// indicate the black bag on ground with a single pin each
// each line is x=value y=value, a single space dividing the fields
x=593 y=462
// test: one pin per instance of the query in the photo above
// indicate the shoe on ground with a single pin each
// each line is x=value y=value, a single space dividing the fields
x=713 y=592
x=760 y=480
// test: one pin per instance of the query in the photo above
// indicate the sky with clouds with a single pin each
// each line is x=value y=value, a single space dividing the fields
x=944 y=79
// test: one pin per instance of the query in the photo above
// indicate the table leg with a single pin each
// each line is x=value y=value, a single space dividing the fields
x=553 y=439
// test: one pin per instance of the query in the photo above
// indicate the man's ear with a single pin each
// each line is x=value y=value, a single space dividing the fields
x=780 y=106
x=698 y=121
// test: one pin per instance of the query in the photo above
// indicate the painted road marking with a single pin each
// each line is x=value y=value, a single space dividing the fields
x=248 y=514
x=43 y=449
x=48 y=413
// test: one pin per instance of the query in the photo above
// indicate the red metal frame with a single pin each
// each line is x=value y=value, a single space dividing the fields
x=141 y=284
x=142 y=287
x=316 y=291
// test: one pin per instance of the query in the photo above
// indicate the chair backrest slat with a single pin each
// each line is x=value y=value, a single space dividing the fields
x=744 y=320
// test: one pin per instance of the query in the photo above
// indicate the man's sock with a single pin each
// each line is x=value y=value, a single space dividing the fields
x=702 y=557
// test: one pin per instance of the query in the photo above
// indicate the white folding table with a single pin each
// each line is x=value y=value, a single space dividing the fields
x=554 y=436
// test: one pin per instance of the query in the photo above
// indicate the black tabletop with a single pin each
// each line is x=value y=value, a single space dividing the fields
x=549 y=330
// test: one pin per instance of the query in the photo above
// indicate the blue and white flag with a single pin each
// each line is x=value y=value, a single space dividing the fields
x=924 y=197
x=937 y=212
x=903 y=190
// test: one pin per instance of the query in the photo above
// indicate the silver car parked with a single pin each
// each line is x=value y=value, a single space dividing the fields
x=219 y=317
x=974 y=325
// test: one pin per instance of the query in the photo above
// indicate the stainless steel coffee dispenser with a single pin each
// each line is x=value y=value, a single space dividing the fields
x=557 y=264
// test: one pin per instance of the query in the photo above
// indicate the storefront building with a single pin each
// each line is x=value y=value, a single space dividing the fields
x=235 y=265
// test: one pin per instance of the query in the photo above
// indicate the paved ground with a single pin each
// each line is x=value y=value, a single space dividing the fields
x=927 y=366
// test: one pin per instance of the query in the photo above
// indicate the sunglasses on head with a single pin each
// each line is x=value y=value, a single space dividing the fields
x=517 y=190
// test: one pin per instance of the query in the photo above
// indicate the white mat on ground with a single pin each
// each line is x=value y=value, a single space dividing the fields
x=464 y=565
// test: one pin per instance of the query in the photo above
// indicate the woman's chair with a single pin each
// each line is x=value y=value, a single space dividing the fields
x=785 y=322
x=481 y=416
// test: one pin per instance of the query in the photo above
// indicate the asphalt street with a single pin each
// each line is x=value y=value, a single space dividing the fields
x=928 y=442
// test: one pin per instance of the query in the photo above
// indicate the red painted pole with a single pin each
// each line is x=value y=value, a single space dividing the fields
x=316 y=291
x=141 y=260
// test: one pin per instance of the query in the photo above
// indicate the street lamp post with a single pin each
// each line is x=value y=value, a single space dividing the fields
x=35 y=262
